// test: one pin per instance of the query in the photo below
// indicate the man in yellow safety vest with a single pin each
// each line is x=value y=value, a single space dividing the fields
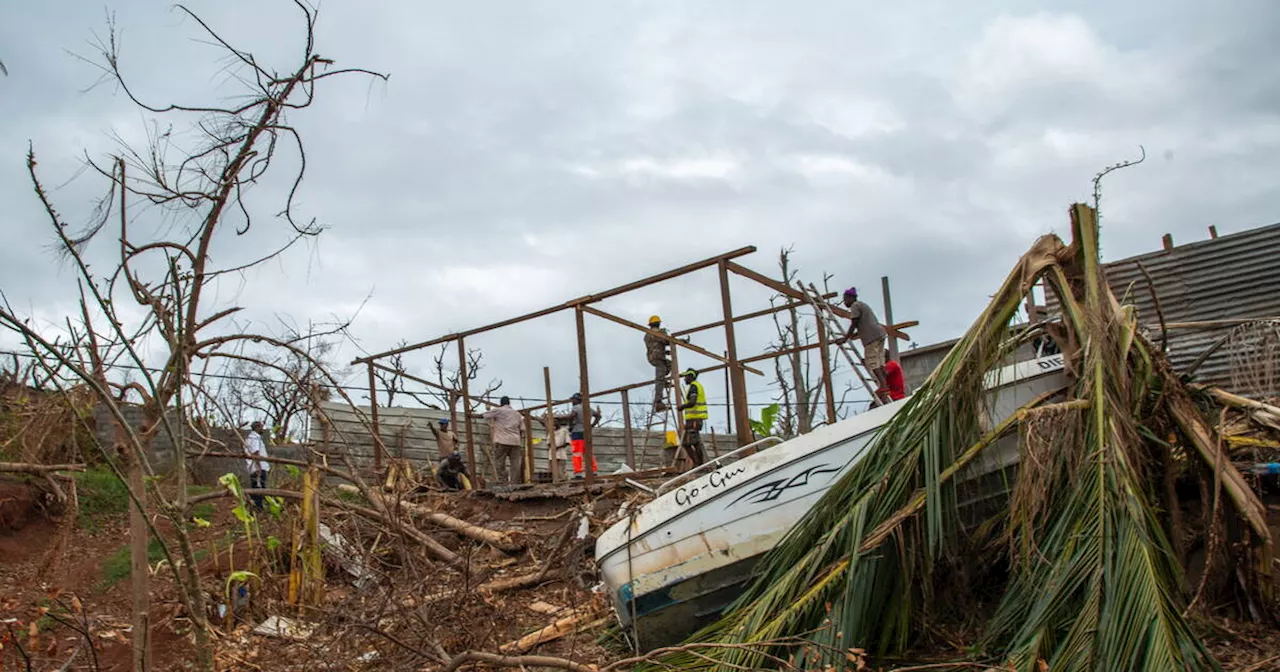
x=695 y=413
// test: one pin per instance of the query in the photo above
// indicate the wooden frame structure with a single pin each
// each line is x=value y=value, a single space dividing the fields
x=582 y=306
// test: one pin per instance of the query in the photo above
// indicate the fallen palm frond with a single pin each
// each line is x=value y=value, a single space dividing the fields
x=1092 y=581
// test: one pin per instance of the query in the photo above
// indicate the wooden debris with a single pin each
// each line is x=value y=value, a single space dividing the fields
x=23 y=468
x=547 y=608
x=570 y=624
x=523 y=581
x=286 y=628
x=499 y=540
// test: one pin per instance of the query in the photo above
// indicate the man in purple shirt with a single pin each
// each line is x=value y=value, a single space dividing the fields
x=864 y=325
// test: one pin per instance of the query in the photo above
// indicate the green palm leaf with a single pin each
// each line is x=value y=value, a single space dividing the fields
x=1092 y=583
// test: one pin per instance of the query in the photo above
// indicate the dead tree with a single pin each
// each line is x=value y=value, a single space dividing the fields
x=393 y=383
x=170 y=278
x=285 y=403
x=799 y=394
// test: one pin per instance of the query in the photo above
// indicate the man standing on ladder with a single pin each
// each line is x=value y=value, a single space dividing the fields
x=655 y=348
x=695 y=413
x=864 y=324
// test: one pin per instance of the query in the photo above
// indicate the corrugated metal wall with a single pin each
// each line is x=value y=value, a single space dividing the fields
x=1231 y=277
x=405 y=431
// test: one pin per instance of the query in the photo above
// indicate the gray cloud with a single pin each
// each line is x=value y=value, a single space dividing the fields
x=522 y=155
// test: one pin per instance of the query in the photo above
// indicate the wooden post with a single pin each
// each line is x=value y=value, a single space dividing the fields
x=1213 y=232
x=828 y=389
x=888 y=315
x=552 y=462
x=728 y=398
x=373 y=416
x=584 y=388
x=679 y=400
x=466 y=412
x=742 y=416
x=528 y=448
x=675 y=382
x=626 y=431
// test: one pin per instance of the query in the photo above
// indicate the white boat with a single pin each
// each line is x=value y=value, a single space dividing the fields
x=677 y=562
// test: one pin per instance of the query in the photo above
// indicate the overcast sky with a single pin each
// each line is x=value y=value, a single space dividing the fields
x=526 y=153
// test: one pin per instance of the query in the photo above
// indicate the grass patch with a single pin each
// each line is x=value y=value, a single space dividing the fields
x=101 y=494
x=118 y=566
x=203 y=510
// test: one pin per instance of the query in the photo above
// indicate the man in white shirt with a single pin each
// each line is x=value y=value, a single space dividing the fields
x=254 y=448
x=506 y=426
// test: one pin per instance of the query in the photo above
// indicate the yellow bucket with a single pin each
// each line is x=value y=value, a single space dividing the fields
x=672 y=440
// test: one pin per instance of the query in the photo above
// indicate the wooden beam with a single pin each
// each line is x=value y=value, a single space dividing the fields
x=749 y=316
x=738 y=383
x=590 y=298
x=584 y=384
x=828 y=389
x=669 y=338
x=373 y=413
x=892 y=344
x=437 y=386
x=1217 y=324
x=627 y=438
x=794 y=293
x=716 y=367
x=552 y=462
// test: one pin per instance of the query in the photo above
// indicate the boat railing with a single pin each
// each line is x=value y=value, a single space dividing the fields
x=716 y=463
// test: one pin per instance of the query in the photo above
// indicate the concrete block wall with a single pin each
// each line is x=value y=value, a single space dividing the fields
x=203 y=470
x=405 y=432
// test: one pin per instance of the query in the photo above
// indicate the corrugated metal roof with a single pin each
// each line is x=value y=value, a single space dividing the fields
x=1231 y=277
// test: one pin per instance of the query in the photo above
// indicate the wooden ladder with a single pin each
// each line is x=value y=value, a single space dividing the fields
x=668 y=416
x=850 y=351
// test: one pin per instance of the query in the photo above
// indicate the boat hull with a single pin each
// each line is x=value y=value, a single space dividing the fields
x=682 y=558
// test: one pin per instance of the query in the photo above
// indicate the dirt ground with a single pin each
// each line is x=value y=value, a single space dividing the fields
x=54 y=589
x=50 y=566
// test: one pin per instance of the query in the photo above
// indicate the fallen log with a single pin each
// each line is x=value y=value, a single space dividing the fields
x=522 y=581
x=515 y=661
x=1265 y=413
x=565 y=626
x=433 y=547
x=500 y=540
x=38 y=469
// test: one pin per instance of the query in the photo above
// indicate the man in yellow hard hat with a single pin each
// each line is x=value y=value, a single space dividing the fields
x=656 y=350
